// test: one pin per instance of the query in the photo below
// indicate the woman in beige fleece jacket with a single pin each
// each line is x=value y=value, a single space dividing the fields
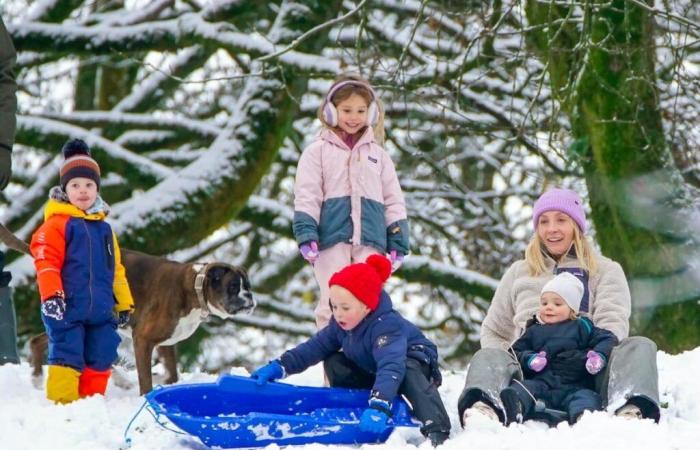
x=560 y=244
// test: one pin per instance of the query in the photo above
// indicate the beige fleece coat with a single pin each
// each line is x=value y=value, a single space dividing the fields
x=517 y=299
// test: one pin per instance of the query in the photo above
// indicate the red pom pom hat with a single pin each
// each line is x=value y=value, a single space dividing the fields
x=364 y=280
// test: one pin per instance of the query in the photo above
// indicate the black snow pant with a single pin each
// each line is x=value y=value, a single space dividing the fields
x=416 y=387
x=571 y=400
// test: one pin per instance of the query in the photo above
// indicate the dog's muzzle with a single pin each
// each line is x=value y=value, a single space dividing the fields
x=242 y=303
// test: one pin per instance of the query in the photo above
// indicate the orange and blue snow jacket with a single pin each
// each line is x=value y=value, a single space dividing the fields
x=77 y=254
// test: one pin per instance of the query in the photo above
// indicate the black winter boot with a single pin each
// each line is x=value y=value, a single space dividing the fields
x=438 y=437
x=512 y=405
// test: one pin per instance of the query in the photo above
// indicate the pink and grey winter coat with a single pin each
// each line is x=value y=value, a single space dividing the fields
x=352 y=196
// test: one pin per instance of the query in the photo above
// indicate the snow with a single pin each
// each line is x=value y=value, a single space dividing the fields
x=29 y=421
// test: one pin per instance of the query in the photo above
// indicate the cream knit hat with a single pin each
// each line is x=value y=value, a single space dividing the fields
x=568 y=287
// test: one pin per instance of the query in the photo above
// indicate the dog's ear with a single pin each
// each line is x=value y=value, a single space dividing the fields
x=215 y=275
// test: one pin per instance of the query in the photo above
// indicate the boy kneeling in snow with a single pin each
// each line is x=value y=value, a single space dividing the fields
x=380 y=350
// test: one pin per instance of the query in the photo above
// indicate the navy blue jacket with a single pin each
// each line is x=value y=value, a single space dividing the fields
x=578 y=334
x=379 y=344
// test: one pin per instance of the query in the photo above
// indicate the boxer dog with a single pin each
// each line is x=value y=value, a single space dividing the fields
x=171 y=299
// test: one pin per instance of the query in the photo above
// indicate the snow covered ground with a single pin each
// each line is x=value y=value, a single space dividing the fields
x=29 y=421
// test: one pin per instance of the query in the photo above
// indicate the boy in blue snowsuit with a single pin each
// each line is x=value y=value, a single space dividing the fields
x=84 y=291
x=578 y=350
x=380 y=350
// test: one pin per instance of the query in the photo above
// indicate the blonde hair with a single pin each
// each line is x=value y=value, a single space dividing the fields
x=364 y=90
x=536 y=252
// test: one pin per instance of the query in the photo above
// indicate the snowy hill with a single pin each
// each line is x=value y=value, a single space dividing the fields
x=29 y=421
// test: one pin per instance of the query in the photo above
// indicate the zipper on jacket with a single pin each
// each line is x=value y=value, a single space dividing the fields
x=89 y=239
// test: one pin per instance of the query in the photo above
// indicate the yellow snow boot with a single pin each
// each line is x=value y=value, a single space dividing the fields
x=62 y=384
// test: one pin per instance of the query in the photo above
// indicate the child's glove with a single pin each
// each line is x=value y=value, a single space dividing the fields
x=374 y=418
x=396 y=260
x=594 y=362
x=309 y=250
x=123 y=319
x=54 y=307
x=269 y=372
x=538 y=361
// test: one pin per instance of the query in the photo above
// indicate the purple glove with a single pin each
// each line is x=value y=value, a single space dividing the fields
x=538 y=361
x=309 y=250
x=594 y=362
x=396 y=260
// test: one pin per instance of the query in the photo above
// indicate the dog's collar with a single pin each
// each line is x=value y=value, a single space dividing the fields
x=201 y=269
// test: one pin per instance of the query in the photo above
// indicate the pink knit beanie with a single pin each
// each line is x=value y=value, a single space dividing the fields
x=564 y=200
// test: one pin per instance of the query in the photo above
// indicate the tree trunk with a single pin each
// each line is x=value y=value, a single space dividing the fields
x=603 y=75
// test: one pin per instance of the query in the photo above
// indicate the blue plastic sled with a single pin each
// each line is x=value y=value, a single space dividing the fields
x=235 y=412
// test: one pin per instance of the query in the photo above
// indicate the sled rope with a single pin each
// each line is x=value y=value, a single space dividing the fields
x=154 y=414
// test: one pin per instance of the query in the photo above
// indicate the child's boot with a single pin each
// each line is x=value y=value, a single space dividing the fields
x=62 y=384
x=438 y=437
x=512 y=405
x=93 y=381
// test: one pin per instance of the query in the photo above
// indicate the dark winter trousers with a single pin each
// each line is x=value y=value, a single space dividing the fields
x=572 y=400
x=8 y=328
x=422 y=395
x=8 y=322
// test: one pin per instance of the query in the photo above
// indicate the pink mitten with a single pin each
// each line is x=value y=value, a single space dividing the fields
x=538 y=361
x=309 y=251
x=594 y=362
x=396 y=260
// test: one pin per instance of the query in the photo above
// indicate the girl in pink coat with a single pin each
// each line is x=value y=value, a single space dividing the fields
x=348 y=203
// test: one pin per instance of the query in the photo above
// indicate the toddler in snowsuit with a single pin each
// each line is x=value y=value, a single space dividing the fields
x=381 y=351
x=559 y=354
x=82 y=282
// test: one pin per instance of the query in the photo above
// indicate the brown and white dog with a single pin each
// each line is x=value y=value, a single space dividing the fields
x=171 y=299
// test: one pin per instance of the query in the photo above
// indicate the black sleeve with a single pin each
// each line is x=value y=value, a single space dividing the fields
x=8 y=87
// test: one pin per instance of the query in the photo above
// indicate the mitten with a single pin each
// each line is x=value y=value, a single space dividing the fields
x=538 y=361
x=54 y=307
x=396 y=260
x=309 y=251
x=374 y=418
x=123 y=319
x=269 y=372
x=594 y=362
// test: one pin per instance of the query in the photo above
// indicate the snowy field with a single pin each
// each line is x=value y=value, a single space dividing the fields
x=29 y=421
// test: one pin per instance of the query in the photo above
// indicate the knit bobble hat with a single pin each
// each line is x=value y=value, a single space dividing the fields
x=364 y=280
x=564 y=200
x=78 y=163
x=568 y=287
